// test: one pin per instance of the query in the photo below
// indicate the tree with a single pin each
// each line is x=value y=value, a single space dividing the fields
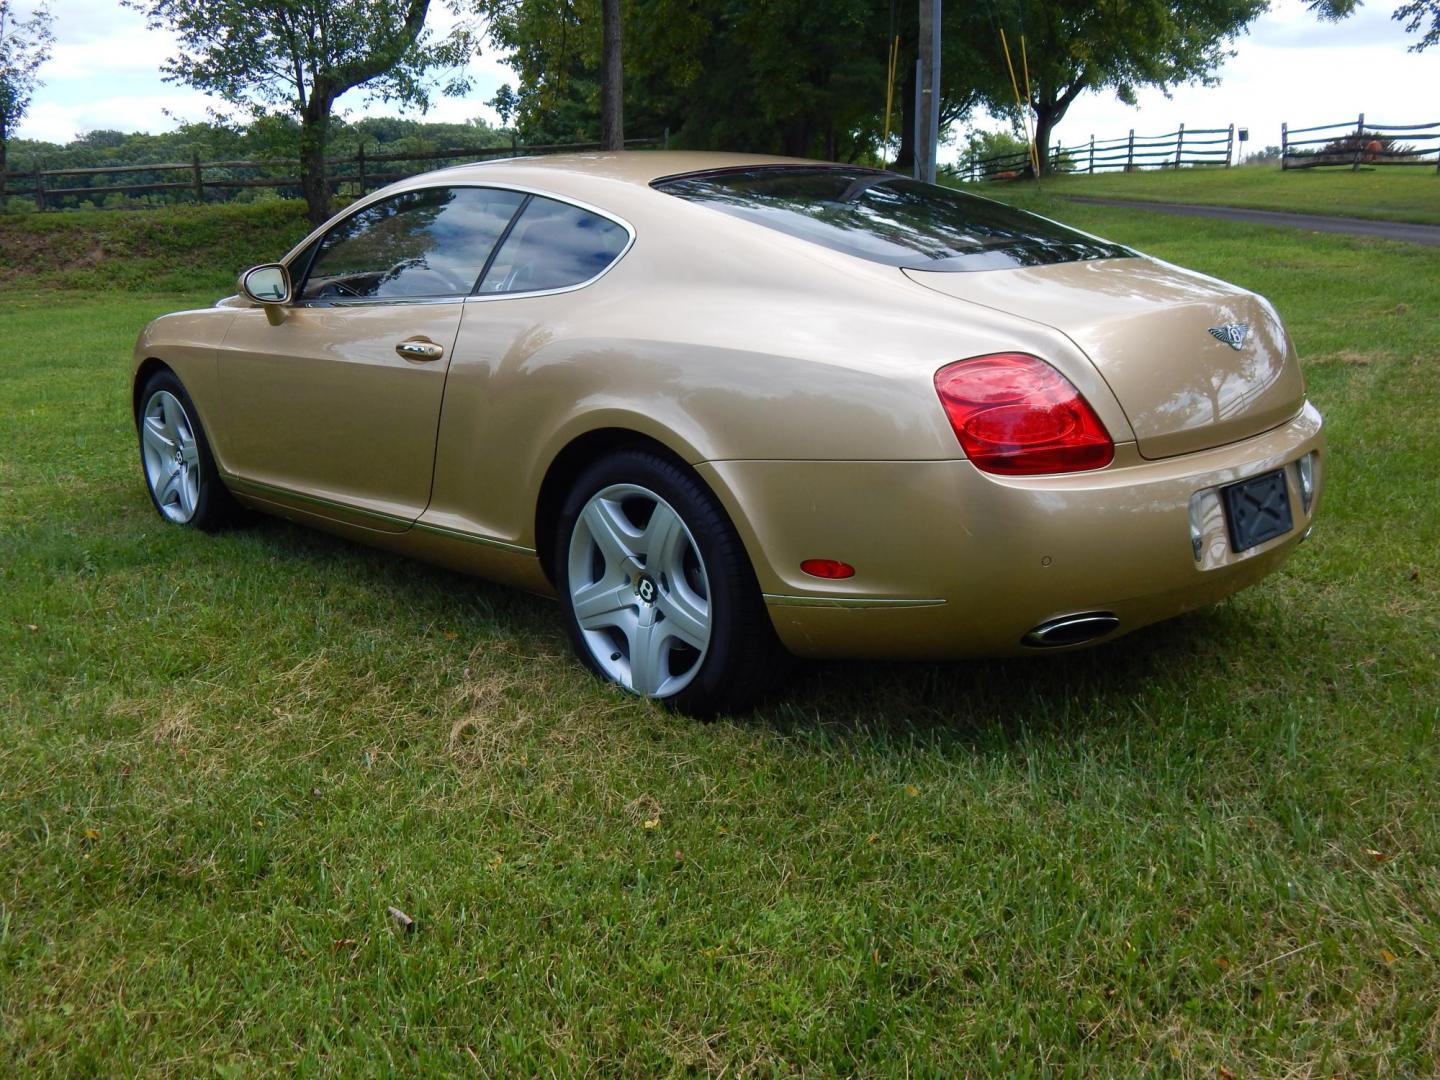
x=25 y=44
x=1072 y=46
x=612 y=77
x=300 y=56
x=803 y=77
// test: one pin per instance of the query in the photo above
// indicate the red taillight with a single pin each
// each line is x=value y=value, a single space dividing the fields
x=1015 y=414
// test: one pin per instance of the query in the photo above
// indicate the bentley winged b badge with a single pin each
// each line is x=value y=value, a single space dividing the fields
x=1232 y=334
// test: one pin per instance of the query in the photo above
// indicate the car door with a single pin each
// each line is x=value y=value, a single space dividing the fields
x=525 y=303
x=338 y=405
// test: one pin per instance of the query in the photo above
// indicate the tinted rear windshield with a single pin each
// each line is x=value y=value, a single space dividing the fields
x=890 y=219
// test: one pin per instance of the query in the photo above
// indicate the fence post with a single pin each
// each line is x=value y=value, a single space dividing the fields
x=1230 y=147
x=40 y=185
x=1179 y=145
x=360 y=161
x=199 y=183
x=1055 y=157
x=1359 y=143
x=1091 y=169
x=1284 y=146
x=666 y=144
x=1130 y=152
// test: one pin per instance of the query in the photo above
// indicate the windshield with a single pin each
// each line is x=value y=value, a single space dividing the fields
x=889 y=218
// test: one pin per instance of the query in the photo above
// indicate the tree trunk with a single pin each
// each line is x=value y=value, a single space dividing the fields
x=1046 y=121
x=612 y=79
x=905 y=162
x=314 y=135
x=4 y=164
x=1047 y=115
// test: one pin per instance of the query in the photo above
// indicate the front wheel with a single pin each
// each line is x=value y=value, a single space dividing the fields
x=179 y=470
x=658 y=592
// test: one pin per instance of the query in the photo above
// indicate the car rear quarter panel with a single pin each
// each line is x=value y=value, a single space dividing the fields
x=735 y=343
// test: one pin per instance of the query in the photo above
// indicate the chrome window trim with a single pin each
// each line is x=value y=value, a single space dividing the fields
x=387 y=301
x=451 y=298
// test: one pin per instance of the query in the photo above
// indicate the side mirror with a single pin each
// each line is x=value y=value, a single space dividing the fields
x=269 y=286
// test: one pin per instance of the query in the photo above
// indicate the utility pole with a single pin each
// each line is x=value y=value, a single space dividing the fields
x=927 y=91
x=612 y=78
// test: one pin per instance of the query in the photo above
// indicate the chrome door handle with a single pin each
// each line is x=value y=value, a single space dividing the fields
x=416 y=349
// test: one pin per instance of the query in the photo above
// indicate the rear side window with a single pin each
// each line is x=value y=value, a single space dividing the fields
x=553 y=245
x=890 y=219
x=432 y=242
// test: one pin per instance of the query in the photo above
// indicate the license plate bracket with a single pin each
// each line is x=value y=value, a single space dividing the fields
x=1257 y=510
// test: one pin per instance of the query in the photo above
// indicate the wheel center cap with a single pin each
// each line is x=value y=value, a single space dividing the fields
x=646 y=589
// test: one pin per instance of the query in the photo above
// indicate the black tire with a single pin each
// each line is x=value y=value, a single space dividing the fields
x=743 y=659
x=213 y=507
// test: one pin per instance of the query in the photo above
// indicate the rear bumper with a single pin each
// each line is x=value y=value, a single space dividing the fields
x=954 y=562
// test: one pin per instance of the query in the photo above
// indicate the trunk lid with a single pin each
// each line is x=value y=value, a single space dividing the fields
x=1146 y=326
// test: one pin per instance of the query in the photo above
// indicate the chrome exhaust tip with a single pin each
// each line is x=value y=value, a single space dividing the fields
x=1071 y=630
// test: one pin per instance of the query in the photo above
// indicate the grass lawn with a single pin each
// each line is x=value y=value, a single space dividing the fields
x=1389 y=194
x=1212 y=849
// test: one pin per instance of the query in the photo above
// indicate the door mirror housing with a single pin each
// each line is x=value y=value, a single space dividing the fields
x=269 y=286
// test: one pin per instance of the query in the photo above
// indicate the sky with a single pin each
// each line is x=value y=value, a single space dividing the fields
x=1289 y=67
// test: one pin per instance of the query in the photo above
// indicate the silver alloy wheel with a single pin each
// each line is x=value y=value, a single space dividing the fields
x=639 y=590
x=172 y=458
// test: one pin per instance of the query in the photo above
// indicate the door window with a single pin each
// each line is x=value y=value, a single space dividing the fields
x=553 y=245
x=432 y=242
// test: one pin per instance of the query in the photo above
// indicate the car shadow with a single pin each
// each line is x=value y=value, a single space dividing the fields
x=967 y=700
x=1146 y=675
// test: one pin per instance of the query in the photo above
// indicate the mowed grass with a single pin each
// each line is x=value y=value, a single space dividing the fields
x=1393 y=193
x=1210 y=849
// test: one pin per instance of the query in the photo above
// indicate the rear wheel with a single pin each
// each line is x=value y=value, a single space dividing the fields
x=659 y=595
x=179 y=470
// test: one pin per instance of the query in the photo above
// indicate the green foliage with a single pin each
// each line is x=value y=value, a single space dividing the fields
x=1212 y=849
x=25 y=45
x=809 y=78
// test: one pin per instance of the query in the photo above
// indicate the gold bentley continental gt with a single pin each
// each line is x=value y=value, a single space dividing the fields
x=729 y=407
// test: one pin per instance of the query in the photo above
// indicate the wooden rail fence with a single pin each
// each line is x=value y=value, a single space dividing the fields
x=1360 y=143
x=193 y=179
x=1195 y=146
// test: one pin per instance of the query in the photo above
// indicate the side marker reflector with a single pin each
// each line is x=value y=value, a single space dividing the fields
x=827 y=568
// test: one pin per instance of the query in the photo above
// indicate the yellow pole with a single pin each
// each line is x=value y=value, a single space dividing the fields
x=1023 y=106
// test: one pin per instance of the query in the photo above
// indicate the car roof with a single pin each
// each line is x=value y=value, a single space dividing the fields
x=640 y=167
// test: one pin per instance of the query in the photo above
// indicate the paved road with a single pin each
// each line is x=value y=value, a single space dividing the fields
x=1388 y=230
